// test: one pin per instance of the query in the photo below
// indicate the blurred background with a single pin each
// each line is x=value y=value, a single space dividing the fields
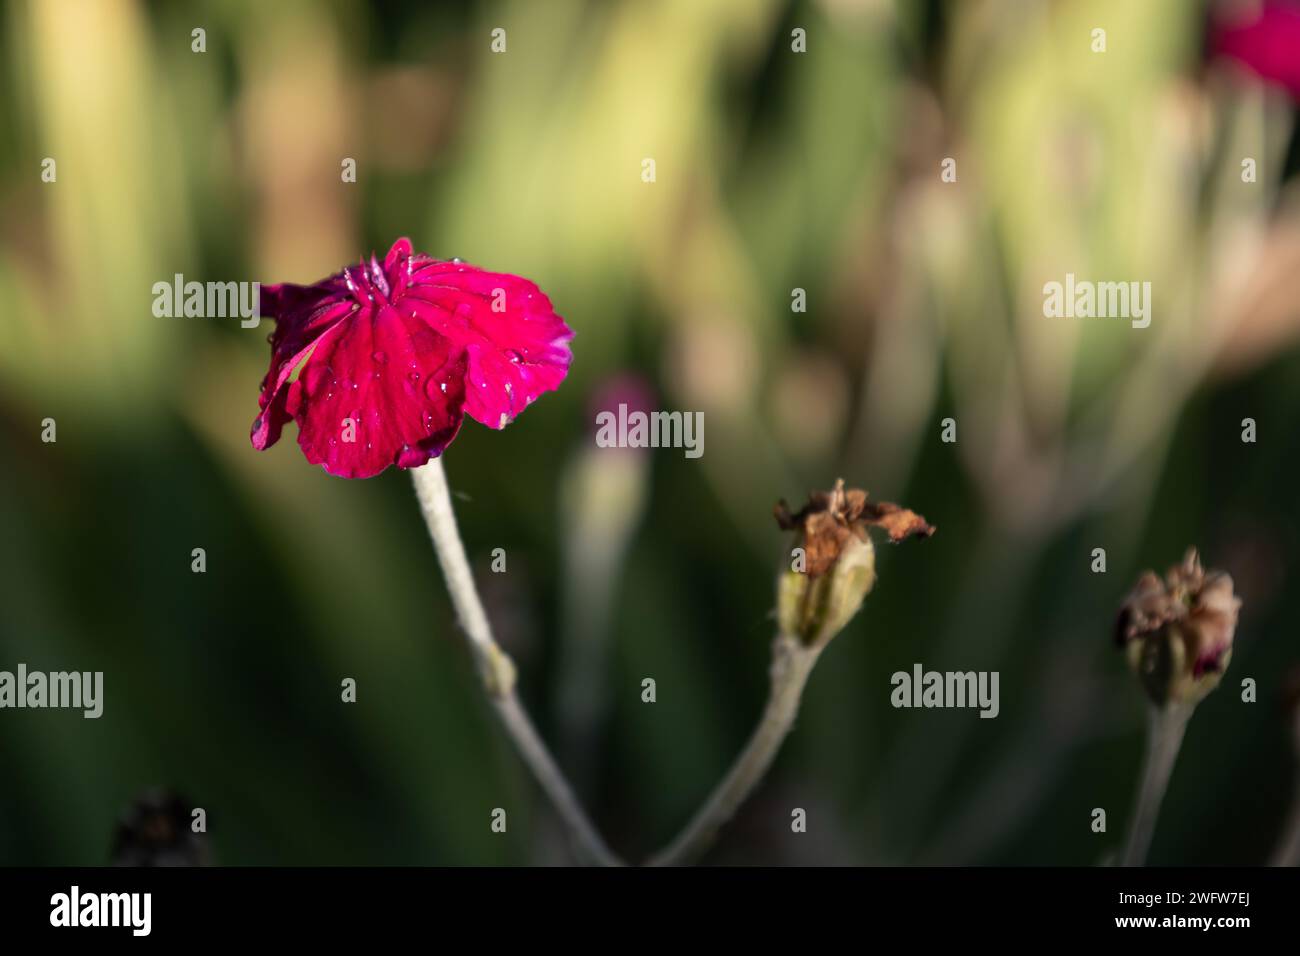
x=775 y=170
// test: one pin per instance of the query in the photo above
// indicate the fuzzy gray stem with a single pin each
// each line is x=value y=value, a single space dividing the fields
x=494 y=665
x=792 y=662
x=1164 y=737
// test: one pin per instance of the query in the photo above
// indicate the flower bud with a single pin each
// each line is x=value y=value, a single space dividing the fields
x=834 y=562
x=1177 y=633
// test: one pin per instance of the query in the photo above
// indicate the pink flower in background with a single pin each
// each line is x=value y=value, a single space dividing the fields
x=1266 y=41
x=393 y=355
x=628 y=389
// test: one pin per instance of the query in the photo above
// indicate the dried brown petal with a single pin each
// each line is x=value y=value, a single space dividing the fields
x=831 y=517
x=899 y=523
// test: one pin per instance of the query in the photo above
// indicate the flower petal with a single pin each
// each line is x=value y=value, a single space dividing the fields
x=302 y=314
x=517 y=347
x=379 y=389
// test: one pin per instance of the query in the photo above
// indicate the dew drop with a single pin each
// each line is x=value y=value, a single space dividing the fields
x=380 y=358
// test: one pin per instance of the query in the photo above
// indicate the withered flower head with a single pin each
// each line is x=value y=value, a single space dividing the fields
x=1177 y=633
x=832 y=517
x=824 y=587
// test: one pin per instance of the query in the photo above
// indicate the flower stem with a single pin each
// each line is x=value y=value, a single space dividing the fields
x=792 y=662
x=1165 y=730
x=495 y=666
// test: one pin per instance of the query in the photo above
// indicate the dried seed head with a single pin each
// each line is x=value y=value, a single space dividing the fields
x=827 y=581
x=1177 y=632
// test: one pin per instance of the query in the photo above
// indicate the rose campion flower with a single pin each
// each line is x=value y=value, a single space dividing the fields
x=391 y=356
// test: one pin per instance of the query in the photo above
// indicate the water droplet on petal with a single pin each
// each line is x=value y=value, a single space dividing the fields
x=433 y=386
x=380 y=358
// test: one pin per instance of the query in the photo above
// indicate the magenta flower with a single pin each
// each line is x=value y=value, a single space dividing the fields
x=1267 y=42
x=392 y=356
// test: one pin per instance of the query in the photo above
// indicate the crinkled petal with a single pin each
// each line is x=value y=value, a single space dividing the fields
x=302 y=315
x=517 y=347
x=379 y=389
